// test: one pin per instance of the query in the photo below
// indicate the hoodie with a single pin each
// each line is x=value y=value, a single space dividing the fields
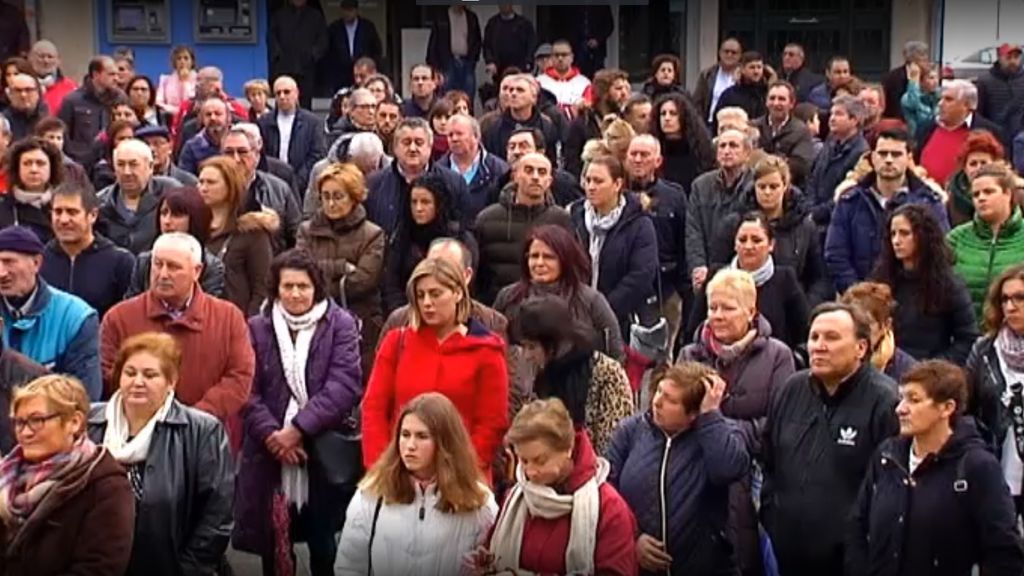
x=569 y=89
x=100 y=274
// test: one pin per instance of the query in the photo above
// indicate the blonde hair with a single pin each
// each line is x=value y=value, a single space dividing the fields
x=64 y=394
x=729 y=116
x=348 y=176
x=769 y=165
x=256 y=84
x=736 y=283
x=447 y=275
x=161 y=346
x=545 y=420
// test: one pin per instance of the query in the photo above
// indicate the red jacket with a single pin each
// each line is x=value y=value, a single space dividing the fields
x=236 y=107
x=545 y=541
x=470 y=370
x=55 y=94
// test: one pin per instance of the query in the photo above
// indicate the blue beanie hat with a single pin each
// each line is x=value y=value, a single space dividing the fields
x=20 y=239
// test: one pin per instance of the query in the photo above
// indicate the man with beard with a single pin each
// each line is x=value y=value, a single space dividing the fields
x=1002 y=85
x=86 y=110
x=389 y=115
x=215 y=117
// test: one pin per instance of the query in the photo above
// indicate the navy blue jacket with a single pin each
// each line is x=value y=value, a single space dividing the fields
x=485 y=187
x=628 y=264
x=305 y=148
x=668 y=212
x=828 y=171
x=952 y=512
x=100 y=274
x=690 y=472
x=856 y=232
x=389 y=195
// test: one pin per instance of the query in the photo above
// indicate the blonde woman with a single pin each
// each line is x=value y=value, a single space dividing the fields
x=257 y=92
x=422 y=508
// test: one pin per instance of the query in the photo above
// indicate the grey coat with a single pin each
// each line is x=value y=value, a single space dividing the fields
x=711 y=201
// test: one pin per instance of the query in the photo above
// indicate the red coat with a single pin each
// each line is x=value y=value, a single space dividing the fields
x=470 y=370
x=55 y=94
x=545 y=541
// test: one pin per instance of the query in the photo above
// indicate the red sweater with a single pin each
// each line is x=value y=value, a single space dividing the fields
x=55 y=94
x=470 y=370
x=545 y=541
x=939 y=155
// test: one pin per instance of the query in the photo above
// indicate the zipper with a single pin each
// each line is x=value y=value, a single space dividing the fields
x=661 y=494
x=991 y=258
x=71 y=276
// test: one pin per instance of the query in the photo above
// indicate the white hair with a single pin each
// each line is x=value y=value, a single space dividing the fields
x=45 y=45
x=366 y=145
x=473 y=123
x=360 y=96
x=134 y=146
x=180 y=241
x=963 y=90
x=250 y=131
x=647 y=139
x=914 y=50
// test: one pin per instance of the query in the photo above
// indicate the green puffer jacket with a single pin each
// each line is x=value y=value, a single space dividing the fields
x=980 y=257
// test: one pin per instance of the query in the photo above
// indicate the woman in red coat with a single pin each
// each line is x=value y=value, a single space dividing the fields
x=442 y=350
x=561 y=517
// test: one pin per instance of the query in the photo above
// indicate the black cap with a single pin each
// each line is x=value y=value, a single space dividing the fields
x=143 y=132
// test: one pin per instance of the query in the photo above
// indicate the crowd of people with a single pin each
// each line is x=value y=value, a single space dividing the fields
x=772 y=326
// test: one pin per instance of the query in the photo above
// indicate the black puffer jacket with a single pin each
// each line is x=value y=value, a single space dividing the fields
x=997 y=92
x=667 y=207
x=751 y=97
x=85 y=113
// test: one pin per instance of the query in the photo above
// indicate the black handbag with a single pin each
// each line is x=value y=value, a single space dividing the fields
x=340 y=454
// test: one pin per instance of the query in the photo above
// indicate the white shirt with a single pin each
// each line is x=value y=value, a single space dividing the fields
x=350 y=30
x=459 y=32
x=723 y=81
x=285 y=122
x=1013 y=468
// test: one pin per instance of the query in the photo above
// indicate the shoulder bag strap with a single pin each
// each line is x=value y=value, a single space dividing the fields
x=373 y=534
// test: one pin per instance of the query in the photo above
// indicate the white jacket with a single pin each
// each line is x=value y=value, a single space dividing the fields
x=405 y=544
x=568 y=91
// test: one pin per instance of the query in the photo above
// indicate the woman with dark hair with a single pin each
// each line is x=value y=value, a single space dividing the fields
x=593 y=386
x=34 y=168
x=750 y=92
x=877 y=301
x=666 y=77
x=620 y=239
x=307 y=384
x=611 y=89
x=933 y=500
x=553 y=263
x=142 y=97
x=935 y=318
x=431 y=214
x=684 y=137
x=438 y=117
x=182 y=210
x=980 y=148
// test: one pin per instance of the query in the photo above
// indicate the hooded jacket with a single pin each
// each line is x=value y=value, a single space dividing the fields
x=468 y=368
x=100 y=274
x=981 y=256
x=951 y=513
x=678 y=486
x=500 y=231
x=136 y=230
x=245 y=248
x=484 y=188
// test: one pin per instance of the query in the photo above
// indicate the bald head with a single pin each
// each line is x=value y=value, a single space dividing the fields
x=44 y=58
x=454 y=252
x=643 y=158
x=533 y=176
x=286 y=94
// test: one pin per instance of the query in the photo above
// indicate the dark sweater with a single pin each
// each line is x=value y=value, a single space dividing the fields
x=947 y=334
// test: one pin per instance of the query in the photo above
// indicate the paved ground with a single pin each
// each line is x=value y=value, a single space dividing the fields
x=249 y=565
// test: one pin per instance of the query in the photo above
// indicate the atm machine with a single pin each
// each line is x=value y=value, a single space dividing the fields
x=225 y=21
x=139 y=21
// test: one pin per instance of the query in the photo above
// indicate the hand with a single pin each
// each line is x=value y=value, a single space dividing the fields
x=491 y=69
x=481 y=560
x=698 y=276
x=290 y=437
x=913 y=72
x=714 y=390
x=651 y=554
x=294 y=457
x=592 y=43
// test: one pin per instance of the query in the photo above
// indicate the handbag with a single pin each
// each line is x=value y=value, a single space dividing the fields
x=340 y=456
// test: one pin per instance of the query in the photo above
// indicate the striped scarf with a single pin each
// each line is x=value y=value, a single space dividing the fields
x=24 y=484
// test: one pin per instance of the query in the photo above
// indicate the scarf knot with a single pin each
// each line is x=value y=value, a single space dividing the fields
x=598 y=226
x=726 y=353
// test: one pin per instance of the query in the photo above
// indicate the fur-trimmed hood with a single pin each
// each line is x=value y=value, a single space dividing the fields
x=266 y=219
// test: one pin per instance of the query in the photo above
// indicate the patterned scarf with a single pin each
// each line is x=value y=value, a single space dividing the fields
x=762 y=274
x=1011 y=346
x=598 y=227
x=725 y=353
x=24 y=484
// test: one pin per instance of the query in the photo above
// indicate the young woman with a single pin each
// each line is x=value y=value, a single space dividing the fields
x=307 y=385
x=933 y=500
x=180 y=85
x=621 y=241
x=438 y=117
x=877 y=300
x=257 y=93
x=553 y=263
x=381 y=87
x=241 y=241
x=422 y=508
x=684 y=137
x=934 y=319
x=35 y=168
x=177 y=458
x=442 y=350
x=142 y=97
x=562 y=516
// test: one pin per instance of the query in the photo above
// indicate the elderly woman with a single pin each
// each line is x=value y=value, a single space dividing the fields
x=381 y=87
x=667 y=76
x=442 y=350
x=684 y=137
x=683 y=436
x=594 y=387
x=980 y=149
x=934 y=319
x=562 y=516
x=306 y=388
x=34 y=169
x=241 y=241
x=257 y=93
x=737 y=342
x=877 y=300
x=182 y=210
x=349 y=249
x=933 y=500
x=177 y=458
x=87 y=522
x=423 y=507
x=553 y=263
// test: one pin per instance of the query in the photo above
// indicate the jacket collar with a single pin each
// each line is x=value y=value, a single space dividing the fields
x=99 y=243
x=193 y=318
x=1011 y=227
x=175 y=415
x=40 y=300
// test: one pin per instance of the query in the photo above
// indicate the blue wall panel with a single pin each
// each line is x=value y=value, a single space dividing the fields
x=240 y=62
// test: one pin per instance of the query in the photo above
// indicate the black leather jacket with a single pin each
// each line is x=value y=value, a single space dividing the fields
x=184 y=520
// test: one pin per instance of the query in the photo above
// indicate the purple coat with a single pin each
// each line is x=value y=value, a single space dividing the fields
x=335 y=387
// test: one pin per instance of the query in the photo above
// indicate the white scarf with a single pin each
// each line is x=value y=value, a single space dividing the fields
x=598 y=227
x=35 y=199
x=294 y=354
x=762 y=274
x=529 y=499
x=115 y=437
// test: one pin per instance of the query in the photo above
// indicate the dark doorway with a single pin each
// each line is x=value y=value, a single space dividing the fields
x=859 y=29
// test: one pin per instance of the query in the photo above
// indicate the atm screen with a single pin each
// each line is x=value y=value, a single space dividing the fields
x=130 y=18
x=219 y=15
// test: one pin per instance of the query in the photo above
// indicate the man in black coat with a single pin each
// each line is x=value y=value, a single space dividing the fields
x=291 y=134
x=565 y=188
x=588 y=30
x=454 y=48
x=895 y=82
x=86 y=110
x=509 y=40
x=795 y=71
x=349 y=39
x=520 y=92
x=297 y=40
x=1002 y=85
x=822 y=430
x=27 y=106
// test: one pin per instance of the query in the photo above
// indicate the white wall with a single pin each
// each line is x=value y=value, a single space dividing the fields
x=73 y=31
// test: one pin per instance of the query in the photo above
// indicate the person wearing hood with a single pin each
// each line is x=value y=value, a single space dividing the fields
x=610 y=91
x=349 y=250
x=737 y=343
x=35 y=169
x=855 y=233
x=877 y=301
x=565 y=81
x=27 y=107
x=667 y=77
x=85 y=110
x=442 y=350
x=519 y=97
x=750 y=92
x=621 y=241
x=501 y=228
x=934 y=500
x=79 y=260
x=482 y=171
x=242 y=240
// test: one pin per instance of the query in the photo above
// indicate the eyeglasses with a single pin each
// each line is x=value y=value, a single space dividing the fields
x=236 y=151
x=1017 y=299
x=34 y=423
x=333 y=198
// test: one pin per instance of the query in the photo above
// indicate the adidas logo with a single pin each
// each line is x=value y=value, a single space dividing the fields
x=847 y=436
